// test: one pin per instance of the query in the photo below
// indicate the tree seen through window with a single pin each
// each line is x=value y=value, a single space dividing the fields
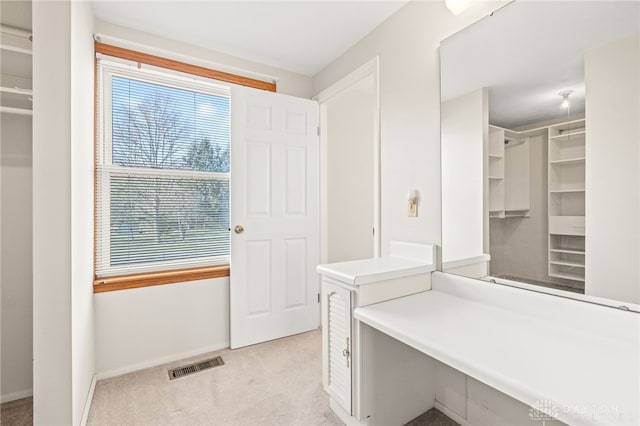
x=156 y=216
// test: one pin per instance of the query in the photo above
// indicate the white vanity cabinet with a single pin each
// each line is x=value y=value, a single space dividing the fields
x=347 y=286
x=337 y=342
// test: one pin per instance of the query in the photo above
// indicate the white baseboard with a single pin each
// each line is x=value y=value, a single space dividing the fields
x=159 y=361
x=451 y=414
x=342 y=414
x=87 y=404
x=8 y=397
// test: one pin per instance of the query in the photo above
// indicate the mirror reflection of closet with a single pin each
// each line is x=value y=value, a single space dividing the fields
x=540 y=148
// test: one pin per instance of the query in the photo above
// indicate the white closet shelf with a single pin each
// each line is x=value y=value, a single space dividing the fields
x=496 y=177
x=15 y=40
x=562 y=191
x=567 y=276
x=517 y=213
x=567 y=263
x=566 y=161
x=496 y=156
x=16 y=91
x=563 y=136
x=567 y=251
x=18 y=111
x=16 y=49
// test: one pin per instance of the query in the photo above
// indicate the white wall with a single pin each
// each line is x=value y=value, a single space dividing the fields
x=148 y=326
x=51 y=232
x=62 y=211
x=464 y=135
x=288 y=82
x=16 y=274
x=612 y=77
x=82 y=170
x=350 y=173
x=407 y=44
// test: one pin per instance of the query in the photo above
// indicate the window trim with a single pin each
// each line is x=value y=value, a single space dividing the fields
x=146 y=279
x=174 y=65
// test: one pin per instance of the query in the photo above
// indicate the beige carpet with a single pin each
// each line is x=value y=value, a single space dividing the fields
x=274 y=383
x=17 y=413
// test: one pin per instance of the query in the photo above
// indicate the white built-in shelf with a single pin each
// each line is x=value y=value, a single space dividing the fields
x=15 y=55
x=495 y=171
x=26 y=50
x=562 y=191
x=566 y=161
x=15 y=100
x=517 y=213
x=15 y=40
x=16 y=91
x=17 y=111
x=569 y=135
x=567 y=192
x=557 y=250
x=508 y=173
x=567 y=263
x=568 y=276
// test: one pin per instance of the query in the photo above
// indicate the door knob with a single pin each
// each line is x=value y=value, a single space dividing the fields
x=239 y=229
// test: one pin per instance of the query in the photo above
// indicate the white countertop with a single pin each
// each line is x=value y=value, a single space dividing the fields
x=366 y=271
x=590 y=376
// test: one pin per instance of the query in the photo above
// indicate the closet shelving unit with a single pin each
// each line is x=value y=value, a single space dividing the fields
x=496 y=172
x=517 y=191
x=15 y=85
x=508 y=173
x=566 y=152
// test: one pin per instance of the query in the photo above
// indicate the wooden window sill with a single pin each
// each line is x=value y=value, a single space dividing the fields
x=147 y=279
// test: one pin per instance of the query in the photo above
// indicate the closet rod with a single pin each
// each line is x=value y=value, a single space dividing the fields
x=18 y=111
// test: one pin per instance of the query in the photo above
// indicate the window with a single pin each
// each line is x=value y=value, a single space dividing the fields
x=162 y=170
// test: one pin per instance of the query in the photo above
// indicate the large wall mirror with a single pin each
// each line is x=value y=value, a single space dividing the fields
x=541 y=149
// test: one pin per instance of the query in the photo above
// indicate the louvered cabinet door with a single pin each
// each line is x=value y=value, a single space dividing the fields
x=337 y=343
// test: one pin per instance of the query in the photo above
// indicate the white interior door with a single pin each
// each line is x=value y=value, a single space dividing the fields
x=274 y=216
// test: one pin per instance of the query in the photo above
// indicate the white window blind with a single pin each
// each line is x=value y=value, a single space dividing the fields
x=162 y=167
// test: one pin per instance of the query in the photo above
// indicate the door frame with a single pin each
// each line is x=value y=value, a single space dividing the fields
x=369 y=69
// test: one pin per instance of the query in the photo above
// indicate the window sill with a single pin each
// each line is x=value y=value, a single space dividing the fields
x=125 y=282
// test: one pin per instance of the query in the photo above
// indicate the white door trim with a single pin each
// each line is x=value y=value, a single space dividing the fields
x=371 y=68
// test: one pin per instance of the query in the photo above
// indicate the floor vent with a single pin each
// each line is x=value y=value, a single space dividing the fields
x=176 y=373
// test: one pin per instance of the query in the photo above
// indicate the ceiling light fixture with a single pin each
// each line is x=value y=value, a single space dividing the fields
x=457 y=6
x=565 y=98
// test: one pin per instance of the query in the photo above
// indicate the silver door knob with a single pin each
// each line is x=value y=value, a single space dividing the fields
x=239 y=229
